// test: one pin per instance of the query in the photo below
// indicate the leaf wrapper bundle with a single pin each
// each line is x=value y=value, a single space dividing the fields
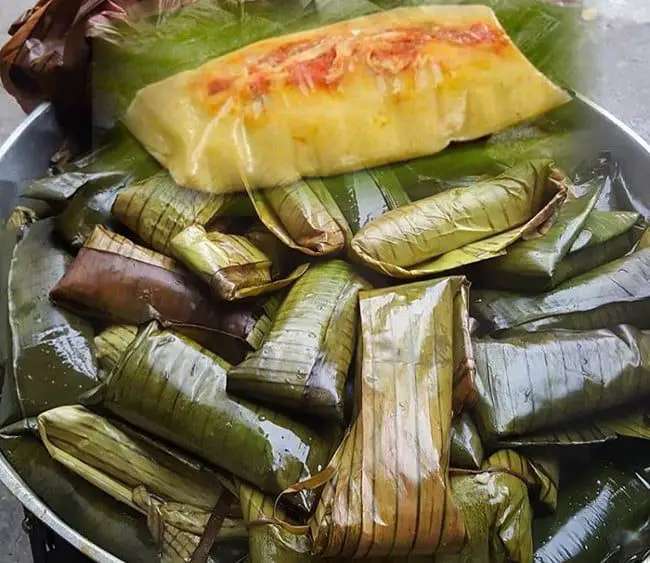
x=466 y=446
x=390 y=494
x=118 y=281
x=157 y=209
x=51 y=357
x=168 y=385
x=231 y=264
x=173 y=492
x=111 y=344
x=304 y=361
x=532 y=381
x=461 y=226
x=612 y=294
x=272 y=97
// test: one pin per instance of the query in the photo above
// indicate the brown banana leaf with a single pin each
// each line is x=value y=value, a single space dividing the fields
x=466 y=445
x=171 y=387
x=111 y=344
x=535 y=381
x=157 y=209
x=304 y=216
x=397 y=501
x=304 y=361
x=612 y=294
x=118 y=281
x=464 y=225
x=52 y=359
x=232 y=265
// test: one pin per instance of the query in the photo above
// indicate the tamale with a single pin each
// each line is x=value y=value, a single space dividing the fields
x=304 y=361
x=52 y=359
x=120 y=282
x=231 y=264
x=111 y=344
x=169 y=386
x=612 y=294
x=461 y=226
x=398 y=501
x=466 y=446
x=157 y=209
x=537 y=380
x=306 y=104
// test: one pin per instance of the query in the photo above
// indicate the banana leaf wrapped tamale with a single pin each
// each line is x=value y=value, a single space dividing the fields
x=304 y=361
x=168 y=385
x=28 y=211
x=612 y=294
x=397 y=501
x=51 y=355
x=603 y=510
x=118 y=281
x=176 y=494
x=462 y=226
x=111 y=344
x=157 y=209
x=232 y=265
x=532 y=381
x=466 y=445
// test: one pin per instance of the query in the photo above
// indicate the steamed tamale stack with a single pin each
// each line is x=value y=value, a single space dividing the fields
x=168 y=385
x=304 y=361
x=118 y=281
x=390 y=493
x=231 y=264
x=461 y=226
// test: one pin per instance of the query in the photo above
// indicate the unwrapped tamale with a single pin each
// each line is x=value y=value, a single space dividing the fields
x=168 y=385
x=118 y=281
x=463 y=225
x=304 y=361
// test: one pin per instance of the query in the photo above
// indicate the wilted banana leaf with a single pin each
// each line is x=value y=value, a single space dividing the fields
x=461 y=226
x=111 y=344
x=232 y=265
x=8 y=240
x=603 y=510
x=118 y=281
x=52 y=358
x=533 y=381
x=303 y=216
x=168 y=385
x=303 y=363
x=405 y=387
x=466 y=445
x=612 y=294
x=157 y=209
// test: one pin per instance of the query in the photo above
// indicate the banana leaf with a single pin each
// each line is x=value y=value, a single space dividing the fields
x=111 y=344
x=303 y=363
x=8 y=240
x=463 y=225
x=304 y=216
x=612 y=294
x=117 y=281
x=169 y=386
x=232 y=265
x=466 y=445
x=105 y=521
x=603 y=511
x=157 y=209
x=533 y=381
x=52 y=357
x=380 y=505
x=175 y=494
x=27 y=212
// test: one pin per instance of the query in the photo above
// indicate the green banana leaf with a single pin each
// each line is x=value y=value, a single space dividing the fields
x=612 y=294
x=533 y=381
x=28 y=211
x=8 y=240
x=232 y=265
x=463 y=225
x=603 y=510
x=52 y=357
x=157 y=209
x=111 y=344
x=466 y=445
x=304 y=361
x=168 y=385
x=117 y=281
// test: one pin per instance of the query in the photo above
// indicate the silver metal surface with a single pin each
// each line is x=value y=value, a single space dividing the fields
x=25 y=156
